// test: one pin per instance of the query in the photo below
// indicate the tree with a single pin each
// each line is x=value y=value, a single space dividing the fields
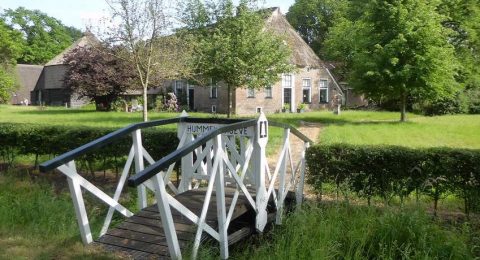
x=463 y=18
x=239 y=51
x=145 y=30
x=398 y=49
x=313 y=19
x=44 y=36
x=10 y=47
x=96 y=73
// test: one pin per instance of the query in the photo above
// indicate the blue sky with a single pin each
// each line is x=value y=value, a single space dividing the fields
x=80 y=13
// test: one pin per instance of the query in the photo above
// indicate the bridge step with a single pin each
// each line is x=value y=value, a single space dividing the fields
x=142 y=236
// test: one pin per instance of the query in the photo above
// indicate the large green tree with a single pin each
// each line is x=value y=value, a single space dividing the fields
x=10 y=48
x=313 y=19
x=239 y=51
x=44 y=36
x=397 y=49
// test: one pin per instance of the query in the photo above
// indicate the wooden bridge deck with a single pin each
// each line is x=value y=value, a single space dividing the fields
x=142 y=236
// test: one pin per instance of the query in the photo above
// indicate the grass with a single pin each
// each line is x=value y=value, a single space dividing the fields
x=367 y=127
x=342 y=231
x=38 y=223
x=354 y=127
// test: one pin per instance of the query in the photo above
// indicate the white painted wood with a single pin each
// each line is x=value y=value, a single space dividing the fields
x=283 y=171
x=206 y=203
x=261 y=200
x=301 y=182
x=220 y=197
x=187 y=168
x=79 y=205
x=118 y=191
x=166 y=216
x=72 y=174
x=139 y=166
x=239 y=182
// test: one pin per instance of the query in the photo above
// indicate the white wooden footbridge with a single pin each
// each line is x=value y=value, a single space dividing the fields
x=227 y=189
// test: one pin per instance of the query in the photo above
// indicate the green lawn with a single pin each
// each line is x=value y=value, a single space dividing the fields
x=376 y=128
x=354 y=127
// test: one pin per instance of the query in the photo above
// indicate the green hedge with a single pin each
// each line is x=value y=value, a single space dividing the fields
x=389 y=171
x=37 y=140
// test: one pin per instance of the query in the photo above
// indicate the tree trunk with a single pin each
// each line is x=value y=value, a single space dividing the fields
x=403 y=111
x=229 y=100
x=145 y=112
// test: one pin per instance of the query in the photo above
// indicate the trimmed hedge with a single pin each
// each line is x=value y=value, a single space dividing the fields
x=388 y=171
x=29 y=139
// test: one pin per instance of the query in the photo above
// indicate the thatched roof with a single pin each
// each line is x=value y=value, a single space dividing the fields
x=302 y=54
x=88 y=39
x=27 y=76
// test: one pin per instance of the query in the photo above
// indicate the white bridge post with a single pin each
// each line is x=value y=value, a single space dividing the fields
x=187 y=160
x=260 y=143
x=139 y=166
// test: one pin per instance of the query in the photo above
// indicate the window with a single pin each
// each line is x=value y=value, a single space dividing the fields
x=268 y=92
x=323 y=91
x=259 y=110
x=214 y=109
x=178 y=87
x=306 y=91
x=213 y=90
x=287 y=81
x=250 y=93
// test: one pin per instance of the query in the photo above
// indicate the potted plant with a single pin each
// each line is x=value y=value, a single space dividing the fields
x=286 y=108
x=301 y=108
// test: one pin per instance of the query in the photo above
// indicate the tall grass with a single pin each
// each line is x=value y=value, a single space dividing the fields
x=356 y=232
x=38 y=223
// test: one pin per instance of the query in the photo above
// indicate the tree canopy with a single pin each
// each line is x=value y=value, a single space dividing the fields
x=313 y=19
x=10 y=50
x=97 y=74
x=396 y=50
x=238 y=50
x=43 y=37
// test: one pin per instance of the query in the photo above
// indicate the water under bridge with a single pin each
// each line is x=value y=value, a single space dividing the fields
x=226 y=192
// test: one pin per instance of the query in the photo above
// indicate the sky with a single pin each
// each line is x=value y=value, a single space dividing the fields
x=81 y=13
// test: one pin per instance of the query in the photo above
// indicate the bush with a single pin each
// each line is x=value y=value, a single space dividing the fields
x=28 y=139
x=388 y=171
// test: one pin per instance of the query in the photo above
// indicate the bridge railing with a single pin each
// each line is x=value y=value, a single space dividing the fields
x=232 y=154
x=217 y=153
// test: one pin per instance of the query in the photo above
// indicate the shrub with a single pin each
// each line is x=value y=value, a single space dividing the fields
x=388 y=171
x=28 y=139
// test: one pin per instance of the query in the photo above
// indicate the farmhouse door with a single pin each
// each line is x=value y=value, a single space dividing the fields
x=191 y=103
x=287 y=96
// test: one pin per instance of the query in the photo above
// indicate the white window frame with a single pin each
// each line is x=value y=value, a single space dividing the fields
x=323 y=87
x=214 y=109
x=176 y=86
x=250 y=94
x=212 y=88
x=309 y=88
x=269 y=91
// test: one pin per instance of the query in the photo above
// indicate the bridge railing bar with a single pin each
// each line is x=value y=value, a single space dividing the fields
x=102 y=141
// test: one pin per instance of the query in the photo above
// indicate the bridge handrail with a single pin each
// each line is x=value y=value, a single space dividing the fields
x=165 y=162
x=102 y=141
x=293 y=130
